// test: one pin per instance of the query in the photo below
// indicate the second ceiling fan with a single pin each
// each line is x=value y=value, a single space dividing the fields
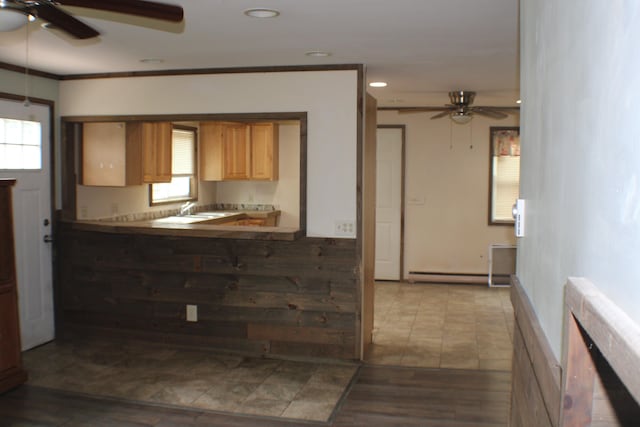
x=461 y=109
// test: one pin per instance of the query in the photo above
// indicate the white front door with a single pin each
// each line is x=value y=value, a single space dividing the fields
x=30 y=167
x=388 y=203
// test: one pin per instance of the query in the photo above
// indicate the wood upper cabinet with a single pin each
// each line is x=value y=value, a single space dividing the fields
x=224 y=151
x=264 y=151
x=117 y=154
x=237 y=151
x=11 y=371
x=155 y=141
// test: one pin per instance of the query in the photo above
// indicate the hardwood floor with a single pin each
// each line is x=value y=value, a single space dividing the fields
x=381 y=396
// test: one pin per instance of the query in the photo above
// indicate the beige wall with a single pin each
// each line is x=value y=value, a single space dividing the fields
x=447 y=193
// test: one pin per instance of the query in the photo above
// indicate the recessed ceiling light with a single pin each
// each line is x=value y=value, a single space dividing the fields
x=318 y=53
x=152 y=60
x=261 y=12
x=519 y=101
x=378 y=84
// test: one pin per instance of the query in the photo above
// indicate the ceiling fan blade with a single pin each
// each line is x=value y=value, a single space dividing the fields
x=421 y=109
x=489 y=112
x=147 y=9
x=509 y=110
x=444 y=113
x=62 y=20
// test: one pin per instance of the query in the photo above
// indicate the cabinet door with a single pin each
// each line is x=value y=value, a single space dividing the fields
x=236 y=152
x=156 y=151
x=104 y=155
x=264 y=151
x=211 y=136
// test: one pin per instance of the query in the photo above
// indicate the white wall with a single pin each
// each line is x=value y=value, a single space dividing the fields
x=329 y=97
x=447 y=193
x=580 y=168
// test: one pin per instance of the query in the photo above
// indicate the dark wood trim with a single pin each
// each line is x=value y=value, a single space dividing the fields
x=32 y=72
x=536 y=395
x=360 y=123
x=181 y=72
x=229 y=70
x=412 y=108
x=402 y=189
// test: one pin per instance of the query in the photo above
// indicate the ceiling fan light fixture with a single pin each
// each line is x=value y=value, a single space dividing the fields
x=10 y=19
x=461 y=118
x=262 y=12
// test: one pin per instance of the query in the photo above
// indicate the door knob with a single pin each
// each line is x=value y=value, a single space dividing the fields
x=47 y=238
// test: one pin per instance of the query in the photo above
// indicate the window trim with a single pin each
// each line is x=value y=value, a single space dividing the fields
x=194 y=178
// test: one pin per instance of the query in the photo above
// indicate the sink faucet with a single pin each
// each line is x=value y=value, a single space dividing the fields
x=186 y=208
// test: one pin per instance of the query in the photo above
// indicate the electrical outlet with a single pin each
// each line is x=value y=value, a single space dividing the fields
x=192 y=313
x=84 y=212
x=114 y=208
x=345 y=228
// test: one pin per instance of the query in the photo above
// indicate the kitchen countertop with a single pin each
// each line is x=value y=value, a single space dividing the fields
x=207 y=227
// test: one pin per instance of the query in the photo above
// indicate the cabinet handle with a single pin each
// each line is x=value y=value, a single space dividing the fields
x=47 y=238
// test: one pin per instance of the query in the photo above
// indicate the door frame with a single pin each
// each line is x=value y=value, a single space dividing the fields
x=50 y=104
x=403 y=128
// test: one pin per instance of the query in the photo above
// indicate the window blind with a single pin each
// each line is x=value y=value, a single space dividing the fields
x=183 y=152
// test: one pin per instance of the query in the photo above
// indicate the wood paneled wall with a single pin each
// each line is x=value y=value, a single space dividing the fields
x=536 y=373
x=295 y=298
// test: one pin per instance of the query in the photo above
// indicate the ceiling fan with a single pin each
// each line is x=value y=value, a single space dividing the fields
x=48 y=10
x=460 y=109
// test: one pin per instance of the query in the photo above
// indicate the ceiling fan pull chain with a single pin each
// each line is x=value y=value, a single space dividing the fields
x=26 y=103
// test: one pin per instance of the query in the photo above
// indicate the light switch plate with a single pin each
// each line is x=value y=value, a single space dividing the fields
x=518 y=217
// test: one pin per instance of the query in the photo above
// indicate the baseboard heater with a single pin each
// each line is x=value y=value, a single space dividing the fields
x=442 y=277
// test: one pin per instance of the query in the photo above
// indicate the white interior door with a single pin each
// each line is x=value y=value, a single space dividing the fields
x=388 y=203
x=30 y=167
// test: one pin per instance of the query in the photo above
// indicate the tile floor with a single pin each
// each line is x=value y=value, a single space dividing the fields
x=197 y=379
x=442 y=326
x=417 y=325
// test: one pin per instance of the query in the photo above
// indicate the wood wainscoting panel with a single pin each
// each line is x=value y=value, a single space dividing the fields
x=291 y=298
x=536 y=373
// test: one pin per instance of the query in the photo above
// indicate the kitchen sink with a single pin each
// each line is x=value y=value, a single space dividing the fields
x=197 y=218
x=186 y=219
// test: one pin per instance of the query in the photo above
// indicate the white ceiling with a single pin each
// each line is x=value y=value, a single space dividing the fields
x=422 y=48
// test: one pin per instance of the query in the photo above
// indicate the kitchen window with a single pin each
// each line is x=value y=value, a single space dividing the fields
x=184 y=181
x=504 y=185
